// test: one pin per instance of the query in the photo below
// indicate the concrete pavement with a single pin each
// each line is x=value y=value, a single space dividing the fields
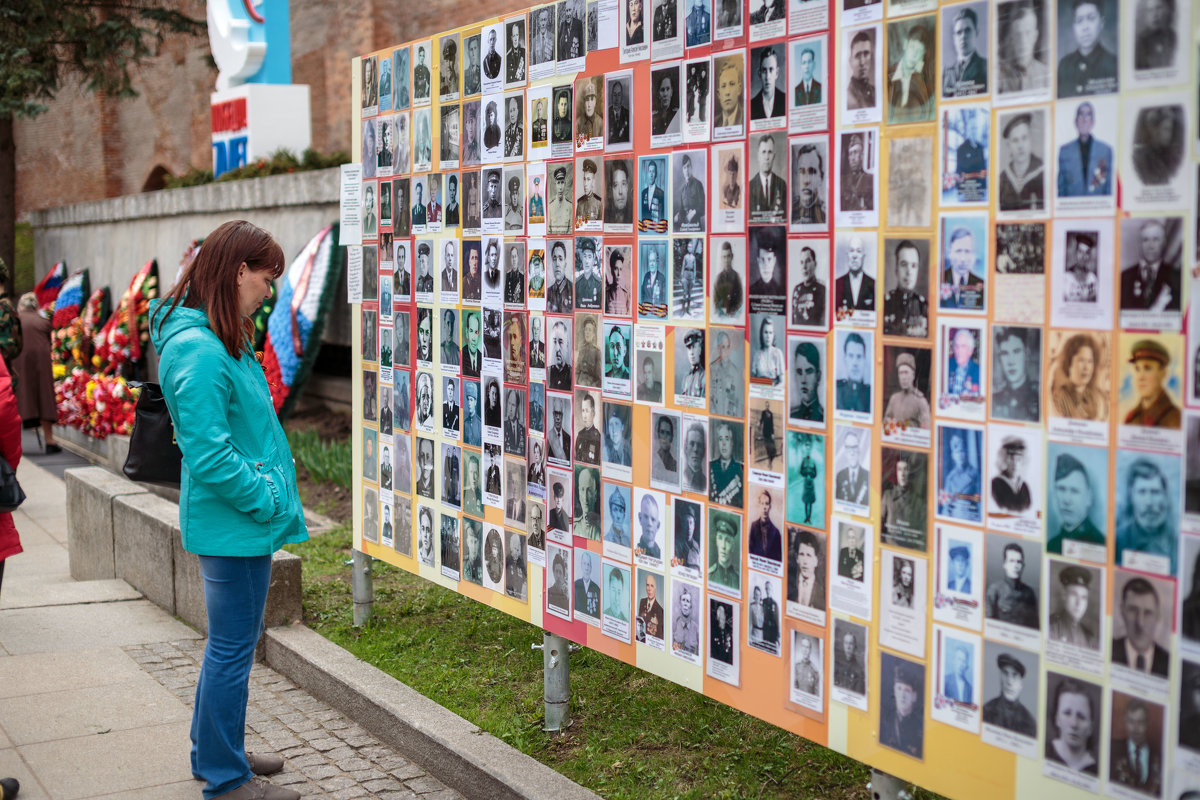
x=96 y=686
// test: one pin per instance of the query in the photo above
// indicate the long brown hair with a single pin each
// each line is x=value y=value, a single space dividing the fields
x=210 y=282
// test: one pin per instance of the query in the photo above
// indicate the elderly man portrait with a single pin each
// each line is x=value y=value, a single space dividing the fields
x=1144 y=522
x=855 y=290
x=1085 y=164
x=1153 y=282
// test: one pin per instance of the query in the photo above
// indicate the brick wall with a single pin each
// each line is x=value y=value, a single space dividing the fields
x=88 y=148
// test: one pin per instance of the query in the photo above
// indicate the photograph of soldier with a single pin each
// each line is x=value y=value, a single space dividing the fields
x=1022 y=48
x=586 y=519
x=698 y=23
x=1085 y=164
x=902 y=706
x=806 y=386
x=965 y=66
x=910 y=166
x=514 y=128
x=1135 y=757
x=589 y=111
x=911 y=70
x=852 y=457
x=729 y=192
x=652 y=198
x=560 y=292
x=1153 y=281
x=1009 y=709
x=809 y=185
x=960 y=488
x=652 y=288
x=687 y=279
x=809 y=300
x=857 y=187
x=849 y=667
x=726 y=471
x=1147 y=524
x=571 y=40
x=1016 y=365
x=560 y=123
x=1010 y=596
x=855 y=359
x=906 y=286
x=514 y=55
x=697 y=102
x=860 y=90
x=806 y=568
x=560 y=216
x=586 y=590
x=1023 y=177
x=1089 y=63
x=689 y=192
x=729 y=115
x=514 y=275
x=1075 y=489
x=904 y=504
x=906 y=414
x=1149 y=372
x=618 y=191
x=1010 y=491
x=1075 y=618
x=589 y=361
x=724 y=550
x=768 y=191
x=589 y=205
x=727 y=290
x=768 y=103
x=1156 y=44
x=400 y=75
x=965 y=169
x=617 y=296
x=541 y=43
x=664 y=120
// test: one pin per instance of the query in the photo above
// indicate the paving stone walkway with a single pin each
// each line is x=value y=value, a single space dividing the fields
x=327 y=757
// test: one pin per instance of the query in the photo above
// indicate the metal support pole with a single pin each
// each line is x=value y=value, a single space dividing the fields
x=556 y=675
x=363 y=587
x=887 y=787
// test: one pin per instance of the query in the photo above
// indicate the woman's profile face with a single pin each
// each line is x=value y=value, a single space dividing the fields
x=1082 y=367
x=1074 y=720
x=253 y=288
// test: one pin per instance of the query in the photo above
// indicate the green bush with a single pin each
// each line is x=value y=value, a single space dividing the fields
x=326 y=461
x=280 y=162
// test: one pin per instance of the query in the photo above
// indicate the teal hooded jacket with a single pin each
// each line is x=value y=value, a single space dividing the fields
x=238 y=488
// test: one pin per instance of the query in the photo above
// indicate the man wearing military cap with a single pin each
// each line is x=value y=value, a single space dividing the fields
x=560 y=216
x=1006 y=710
x=589 y=206
x=491 y=203
x=901 y=721
x=905 y=310
x=514 y=219
x=692 y=384
x=587 y=278
x=1016 y=394
x=424 y=276
x=1067 y=624
x=1154 y=407
x=1073 y=497
x=908 y=404
x=449 y=77
x=1010 y=491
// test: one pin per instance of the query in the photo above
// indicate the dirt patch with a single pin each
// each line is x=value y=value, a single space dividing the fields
x=329 y=425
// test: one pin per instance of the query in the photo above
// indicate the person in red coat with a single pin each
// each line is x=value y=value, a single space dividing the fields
x=10 y=449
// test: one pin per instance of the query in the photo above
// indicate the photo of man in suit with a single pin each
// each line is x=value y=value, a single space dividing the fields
x=806 y=581
x=854 y=390
x=853 y=481
x=653 y=199
x=649 y=610
x=1153 y=283
x=856 y=289
x=962 y=286
x=966 y=75
x=808 y=88
x=1085 y=164
x=851 y=556
x=960 y=569
x=1139 y=611
x=768 y=189
x=770 y=102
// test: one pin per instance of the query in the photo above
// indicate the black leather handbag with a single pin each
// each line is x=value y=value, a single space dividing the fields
x=11 y=493
x=154 y=457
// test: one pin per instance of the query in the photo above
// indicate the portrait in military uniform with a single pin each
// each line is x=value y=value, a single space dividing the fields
x=902 y=705
x=560 y=211
x=1013 y=577
x=857 y=182
x=400 y=78
x=651 y=194
x=727 y=281
x=1075 y=605
x=618 y=119
x=960 y=473
x=589 y=204
x=1016 y=373
x=808 y=285
x=966 y=137
x=589 y=361
x=854 y=360
x=687 y=278
x=905 y=494
x=1022 y=47
x=854 y=278
x=1016 y=487
x=962 y=371
x=1010 y=689
x=697 y=98
x=726 y=469
x=863 y=96
x=724 y=550
x=665 y=118
x=906 y=287
x=849 y=645
x=807 y=364
x=1024 y=182
x=653 y=284
x=514 y=201
x=618 y=194
x=1087 y=47
x=561 y=117
x=688 y=192
x=810 y=172
x=1135 y=755
x=805 y=472
x=1151 y=381
x=514 y=52
x=905 y=393
x=514 y=127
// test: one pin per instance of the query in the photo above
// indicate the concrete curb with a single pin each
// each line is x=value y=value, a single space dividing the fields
x=459 y=754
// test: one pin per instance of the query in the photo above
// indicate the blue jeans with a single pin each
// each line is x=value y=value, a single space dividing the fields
x=235 y=594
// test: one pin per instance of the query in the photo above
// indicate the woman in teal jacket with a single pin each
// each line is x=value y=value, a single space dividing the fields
x=238 y=502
